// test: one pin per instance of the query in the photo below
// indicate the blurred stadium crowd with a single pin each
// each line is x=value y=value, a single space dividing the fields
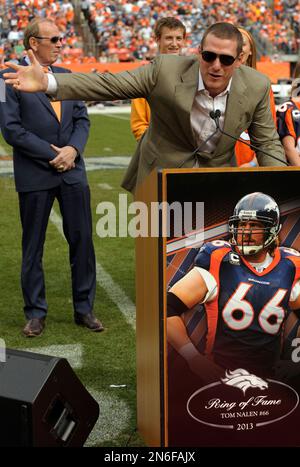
x=123 y=29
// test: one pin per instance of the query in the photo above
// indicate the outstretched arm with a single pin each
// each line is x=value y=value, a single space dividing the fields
x=131 y=84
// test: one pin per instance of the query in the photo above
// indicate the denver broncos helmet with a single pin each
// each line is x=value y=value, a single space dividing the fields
x=254 y=207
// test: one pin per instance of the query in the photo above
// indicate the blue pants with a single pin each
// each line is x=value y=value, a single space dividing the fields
x=35 y=208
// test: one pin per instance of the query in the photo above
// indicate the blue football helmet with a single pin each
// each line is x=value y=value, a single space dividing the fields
x=254 y=207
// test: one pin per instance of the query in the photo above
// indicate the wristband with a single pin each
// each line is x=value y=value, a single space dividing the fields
x=175 y=306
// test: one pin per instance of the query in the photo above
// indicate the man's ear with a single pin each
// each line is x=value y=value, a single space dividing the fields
x=33 y=43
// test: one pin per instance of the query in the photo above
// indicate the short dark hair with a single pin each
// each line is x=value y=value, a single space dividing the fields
x=224 y=31
x=33 y=29
x=168 y=22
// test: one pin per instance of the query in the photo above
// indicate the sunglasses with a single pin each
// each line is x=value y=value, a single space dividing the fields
x=53 y=39
x=210 y=57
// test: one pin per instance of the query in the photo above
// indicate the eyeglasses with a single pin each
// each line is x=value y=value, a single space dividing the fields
x=210 y=57
x=53 y=39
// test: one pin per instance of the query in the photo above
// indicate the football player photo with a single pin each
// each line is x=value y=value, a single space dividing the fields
x=248 y=286
x=230 y=371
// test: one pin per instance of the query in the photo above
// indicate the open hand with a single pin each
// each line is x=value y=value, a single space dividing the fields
x=27 y=78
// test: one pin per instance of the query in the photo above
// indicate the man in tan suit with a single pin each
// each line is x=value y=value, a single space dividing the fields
x=181 y=92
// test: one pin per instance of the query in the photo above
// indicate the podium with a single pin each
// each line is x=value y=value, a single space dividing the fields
x=163 y=259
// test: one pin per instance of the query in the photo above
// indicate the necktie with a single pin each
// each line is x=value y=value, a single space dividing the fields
x=56 y=105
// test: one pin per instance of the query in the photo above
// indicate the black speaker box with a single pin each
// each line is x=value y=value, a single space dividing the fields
x=42 y=402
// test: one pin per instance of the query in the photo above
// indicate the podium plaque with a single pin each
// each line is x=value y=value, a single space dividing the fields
x=178 y=404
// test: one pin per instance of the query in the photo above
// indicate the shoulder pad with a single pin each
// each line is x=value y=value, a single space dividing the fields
x=214 y=245
x=203 y=257
x=289 y=251
x=284 y=107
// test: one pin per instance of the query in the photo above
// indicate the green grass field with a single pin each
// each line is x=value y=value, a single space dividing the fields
x=102 y=359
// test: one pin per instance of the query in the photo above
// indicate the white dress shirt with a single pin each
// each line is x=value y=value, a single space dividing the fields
x=52 y=85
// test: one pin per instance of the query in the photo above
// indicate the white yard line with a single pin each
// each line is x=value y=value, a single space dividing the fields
x=3 y=151
x=104 y=114
x=116 y=294
x=105 y=186
x=119 y=117
x=104 y=279
x=72 y=352
x=104 y=110
x=91 y=163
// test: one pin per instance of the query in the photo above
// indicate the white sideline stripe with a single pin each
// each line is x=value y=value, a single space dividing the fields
x=2 y=151
x=113 y=290
x=118 y=109
x=113 y=419
x=116 y=294
x=107 y=160
x=105 y=186
x=119 y=117
x=72 y=352
x=57 y=221
x=91 y=163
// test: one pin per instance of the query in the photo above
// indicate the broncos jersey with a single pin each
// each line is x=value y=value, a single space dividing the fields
x=246 y=319
x=288 y=121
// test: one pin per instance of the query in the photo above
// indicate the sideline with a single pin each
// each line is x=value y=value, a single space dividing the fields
x=108 y=109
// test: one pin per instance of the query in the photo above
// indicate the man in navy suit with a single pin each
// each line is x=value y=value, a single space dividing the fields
x=48 y=140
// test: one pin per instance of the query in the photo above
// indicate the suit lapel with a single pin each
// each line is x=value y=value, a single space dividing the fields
x=235 y=111
x=184 y=97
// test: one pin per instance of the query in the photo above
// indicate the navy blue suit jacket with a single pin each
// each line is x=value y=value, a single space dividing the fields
x=30 y=125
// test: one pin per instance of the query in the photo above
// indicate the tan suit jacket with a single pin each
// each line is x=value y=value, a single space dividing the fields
x=169 y=84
